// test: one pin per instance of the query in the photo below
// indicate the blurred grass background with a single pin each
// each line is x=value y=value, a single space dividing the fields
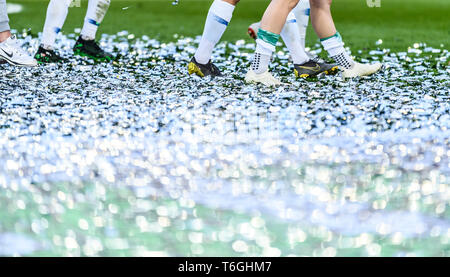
x=398 y=23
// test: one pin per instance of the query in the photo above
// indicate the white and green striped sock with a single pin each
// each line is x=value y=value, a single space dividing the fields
x=335 y=48
x=265 y=46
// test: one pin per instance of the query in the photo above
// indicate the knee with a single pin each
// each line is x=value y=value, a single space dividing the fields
x=292 y=4
x=320 y=4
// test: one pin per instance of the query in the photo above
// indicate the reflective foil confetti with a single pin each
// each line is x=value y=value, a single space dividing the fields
x=137 y=158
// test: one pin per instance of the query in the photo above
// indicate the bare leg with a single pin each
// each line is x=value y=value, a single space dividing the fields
x=4 y=35
x=275 y=15
x=323 y=24
x=321 y=18
x=272 y=23
x=331 y=40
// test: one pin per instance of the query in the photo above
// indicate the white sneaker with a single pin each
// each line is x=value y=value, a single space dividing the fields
x=12 y=52
x=360 y=69
x=264 y=78
x=253 y=30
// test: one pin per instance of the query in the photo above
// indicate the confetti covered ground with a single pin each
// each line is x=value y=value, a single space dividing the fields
x=399 y=23
x=136 y=158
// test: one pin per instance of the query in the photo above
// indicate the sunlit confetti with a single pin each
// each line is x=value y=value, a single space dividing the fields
x=135 y=157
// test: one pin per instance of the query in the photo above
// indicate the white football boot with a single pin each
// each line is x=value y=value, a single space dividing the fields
x=360 y=69
x=264 y=78
x=12 y=52
x=357 y=70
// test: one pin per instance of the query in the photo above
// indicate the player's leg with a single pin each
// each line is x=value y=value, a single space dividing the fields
x=304 y=65
x=86 y=45
x=94 y=16
x=331 y=40
x=219 y=16
x=4 y=22
x=293 y=35
x=56 y=16
x=301 y=12
x=272 y=23
x=10 y=49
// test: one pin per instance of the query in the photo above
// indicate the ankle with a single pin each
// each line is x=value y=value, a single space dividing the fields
x=4 y=36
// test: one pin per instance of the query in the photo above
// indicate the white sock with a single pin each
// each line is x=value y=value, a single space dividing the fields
x=335 y=48
x=94 y=16
x=219 y=16
x=291 y=37
x=56 y=15
x=301 y=12
x=261 y=59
